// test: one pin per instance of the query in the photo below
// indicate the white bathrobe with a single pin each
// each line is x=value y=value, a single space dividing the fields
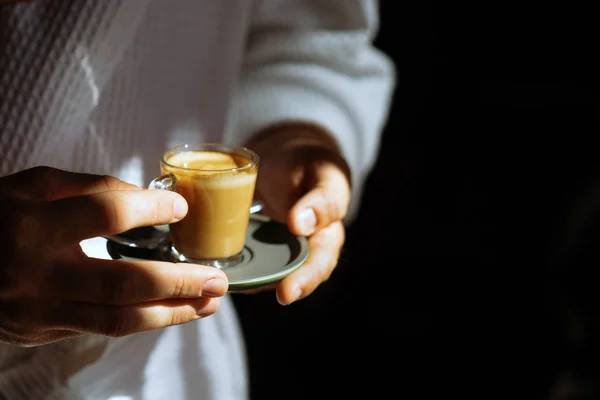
x=105 y=86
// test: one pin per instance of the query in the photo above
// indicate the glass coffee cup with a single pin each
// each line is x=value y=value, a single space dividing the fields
x=218 y=183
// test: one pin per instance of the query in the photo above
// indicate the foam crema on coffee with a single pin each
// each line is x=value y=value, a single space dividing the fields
x=207 y=160
x=207 y=164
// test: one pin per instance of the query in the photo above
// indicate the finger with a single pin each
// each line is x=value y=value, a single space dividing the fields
x=108 y=213
x=126 y=320
x=326 y=203
x=46 y=183
x=325 y=247
x=119 y=282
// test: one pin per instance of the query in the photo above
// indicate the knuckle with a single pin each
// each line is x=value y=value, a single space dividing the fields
x=329 y=208
x=114 y=325
x=108 y=182
x=113 y=213
x=336 y=210
x=319 y=241
x=156 y=211
x=180 y=287
x=39 y=181
x=180 y=315
x=186 y=287
x=156 y=207
x=147 y=209
x=43 y=178
x=118 y=291
x=43 y=172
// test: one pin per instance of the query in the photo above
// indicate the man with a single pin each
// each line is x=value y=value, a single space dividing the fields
x=104 y=87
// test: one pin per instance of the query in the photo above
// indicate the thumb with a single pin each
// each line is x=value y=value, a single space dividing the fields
x=323 y=205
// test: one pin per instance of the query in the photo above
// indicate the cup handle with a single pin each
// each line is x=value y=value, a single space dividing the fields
x=138 y=237
x=163 y=182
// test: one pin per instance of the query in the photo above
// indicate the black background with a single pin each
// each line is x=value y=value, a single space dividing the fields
x=471 y=267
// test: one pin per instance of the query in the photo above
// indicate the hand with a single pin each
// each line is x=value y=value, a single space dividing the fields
x=50 y=290
x=304 y=182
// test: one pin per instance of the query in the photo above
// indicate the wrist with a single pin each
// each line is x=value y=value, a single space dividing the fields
x=299 y=135
x=282 y=135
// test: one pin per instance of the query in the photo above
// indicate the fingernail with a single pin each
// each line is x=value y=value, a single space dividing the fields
x=297 y=294
x=214 y=287
x=180 y=208
x=307 y=221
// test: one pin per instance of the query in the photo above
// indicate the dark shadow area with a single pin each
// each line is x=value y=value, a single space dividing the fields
x=470 y=270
